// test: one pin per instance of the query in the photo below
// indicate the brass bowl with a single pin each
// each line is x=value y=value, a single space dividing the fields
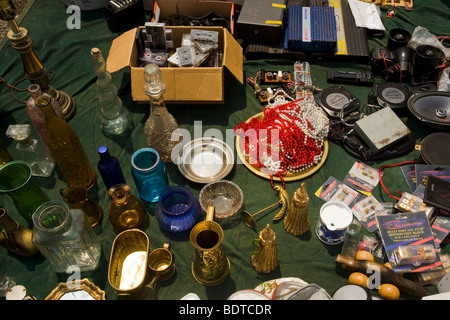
x=128 y=264
x=226 y=197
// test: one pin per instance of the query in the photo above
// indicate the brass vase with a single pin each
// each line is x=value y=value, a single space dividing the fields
x=210 y=265
x=296 y=221
x=16 y=238
x=265 y=259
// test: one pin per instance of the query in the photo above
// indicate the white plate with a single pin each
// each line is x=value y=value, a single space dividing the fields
x=268 y=288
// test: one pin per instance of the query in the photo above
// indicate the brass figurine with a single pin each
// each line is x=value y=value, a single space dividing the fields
x=265 y=259
x=33 y=67
x=296 y=221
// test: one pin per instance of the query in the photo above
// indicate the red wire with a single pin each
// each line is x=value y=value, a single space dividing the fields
x=380 y=170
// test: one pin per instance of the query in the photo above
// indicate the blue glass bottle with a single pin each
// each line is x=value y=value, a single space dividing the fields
x=109 y=168
x=149 y=174
x=178 y=210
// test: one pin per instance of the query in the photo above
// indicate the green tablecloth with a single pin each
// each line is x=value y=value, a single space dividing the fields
x=67 y=52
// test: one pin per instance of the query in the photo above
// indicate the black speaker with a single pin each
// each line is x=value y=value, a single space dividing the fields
x=398 y=37
x=337 y=101
x=382 y=59
x=391 y=94
x=405 y=58
x=426 y=63
x=435 y=149
x=432 y=107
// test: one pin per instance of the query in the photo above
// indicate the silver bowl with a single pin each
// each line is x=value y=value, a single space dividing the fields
x=226 y=197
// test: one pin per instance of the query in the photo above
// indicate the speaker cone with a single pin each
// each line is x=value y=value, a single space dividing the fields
x=431 y=107
x=391 y=94
x=398 y=37
x=426 y=63
x=435 y=149
x=337 y=101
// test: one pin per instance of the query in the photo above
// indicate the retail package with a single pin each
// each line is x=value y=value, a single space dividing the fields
x=408 y=242
x=187 y=85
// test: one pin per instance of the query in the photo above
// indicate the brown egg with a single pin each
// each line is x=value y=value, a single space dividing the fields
x=388 y=291
x=364 y=255
x=358 y=278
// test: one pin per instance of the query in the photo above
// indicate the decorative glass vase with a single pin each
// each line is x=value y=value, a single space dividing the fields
x=66 y=147
x=109 y=168
x=177 y=210
x=161 y=128
x=17 y=182
x=149 y=174
x=114 y=117
x=65 y=238
x=126 y=211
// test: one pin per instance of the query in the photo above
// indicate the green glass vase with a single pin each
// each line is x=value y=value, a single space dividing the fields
x=17 y=182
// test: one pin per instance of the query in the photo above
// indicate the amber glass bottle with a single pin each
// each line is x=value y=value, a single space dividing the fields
x=66 y=148
x=125 y=210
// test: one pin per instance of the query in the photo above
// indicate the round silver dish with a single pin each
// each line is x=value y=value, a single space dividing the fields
x=205 y=159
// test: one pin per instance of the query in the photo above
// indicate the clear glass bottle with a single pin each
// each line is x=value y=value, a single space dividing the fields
x=69 y=154
x=161 y=128
x=126 y=211
x=31 y=150
x=36 y=116
x=114 y=117
x=65 y=238
x=109 y=168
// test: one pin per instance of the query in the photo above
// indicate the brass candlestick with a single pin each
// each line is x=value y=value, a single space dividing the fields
x=33 y=67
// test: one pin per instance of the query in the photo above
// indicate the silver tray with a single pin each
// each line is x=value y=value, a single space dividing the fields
x=205 y=159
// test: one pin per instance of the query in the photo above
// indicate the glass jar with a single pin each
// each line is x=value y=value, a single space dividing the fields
x=177 y=210
x=149 y=174
x=65 y=238
x=17 y=182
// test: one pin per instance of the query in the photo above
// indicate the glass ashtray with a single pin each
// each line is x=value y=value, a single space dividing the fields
x=226 y=197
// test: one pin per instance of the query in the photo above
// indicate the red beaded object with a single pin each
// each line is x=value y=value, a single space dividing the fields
x=286 y=138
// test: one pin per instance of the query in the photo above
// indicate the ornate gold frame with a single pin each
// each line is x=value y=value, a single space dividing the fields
x=83 y=284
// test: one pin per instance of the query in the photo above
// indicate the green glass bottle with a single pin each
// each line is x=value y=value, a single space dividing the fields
x=66 y=148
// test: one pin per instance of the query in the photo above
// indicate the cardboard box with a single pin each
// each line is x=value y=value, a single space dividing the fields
x=183 y=85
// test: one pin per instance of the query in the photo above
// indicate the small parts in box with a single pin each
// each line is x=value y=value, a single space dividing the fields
x=195 y=49
x=415 y=255
x=362 y=177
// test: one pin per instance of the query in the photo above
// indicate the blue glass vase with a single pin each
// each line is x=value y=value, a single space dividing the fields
x=109 y=168
x=178 y=210
x=149 y=174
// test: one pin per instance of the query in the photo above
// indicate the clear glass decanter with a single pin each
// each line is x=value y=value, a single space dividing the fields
x=31 y=150
x=114 y=117
x=161 y=128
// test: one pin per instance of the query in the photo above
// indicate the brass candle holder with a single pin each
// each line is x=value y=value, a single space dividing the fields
x=33 y=67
